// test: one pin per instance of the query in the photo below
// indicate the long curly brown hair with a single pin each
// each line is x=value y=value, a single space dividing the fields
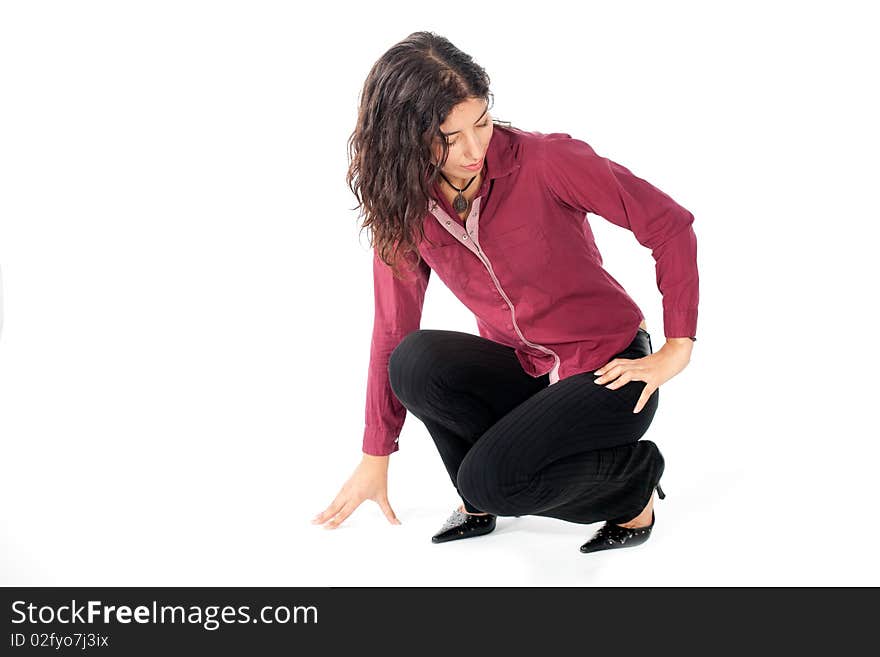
x=406 y=96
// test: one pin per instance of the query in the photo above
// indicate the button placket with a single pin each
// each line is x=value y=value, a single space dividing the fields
x=472 y=228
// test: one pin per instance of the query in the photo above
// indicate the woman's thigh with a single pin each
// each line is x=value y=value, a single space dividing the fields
x=573 y=415
x=463 y=380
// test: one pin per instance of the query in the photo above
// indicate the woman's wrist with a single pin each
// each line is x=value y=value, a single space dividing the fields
x=680 y=343
x=378 y=461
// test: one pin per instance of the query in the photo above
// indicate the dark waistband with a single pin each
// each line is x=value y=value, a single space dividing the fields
x=639 y=347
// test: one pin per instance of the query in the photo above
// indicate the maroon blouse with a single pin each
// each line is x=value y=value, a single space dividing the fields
x=526 y=264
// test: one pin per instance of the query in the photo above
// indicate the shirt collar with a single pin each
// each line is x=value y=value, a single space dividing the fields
x=502 y=156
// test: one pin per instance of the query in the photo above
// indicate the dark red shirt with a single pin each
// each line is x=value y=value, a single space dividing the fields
x=526 y=264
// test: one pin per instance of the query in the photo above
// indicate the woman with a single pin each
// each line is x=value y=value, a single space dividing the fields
x=542 y=412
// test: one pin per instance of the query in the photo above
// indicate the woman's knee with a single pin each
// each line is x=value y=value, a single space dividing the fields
x=411 y=363
x=478 y=484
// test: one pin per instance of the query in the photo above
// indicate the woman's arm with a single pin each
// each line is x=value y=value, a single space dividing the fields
x=580 y=178
x=398 y=312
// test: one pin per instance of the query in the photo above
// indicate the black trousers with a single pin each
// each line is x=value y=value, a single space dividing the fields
x=514 y=445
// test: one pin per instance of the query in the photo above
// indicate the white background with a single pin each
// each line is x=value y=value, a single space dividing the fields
x=187 y=299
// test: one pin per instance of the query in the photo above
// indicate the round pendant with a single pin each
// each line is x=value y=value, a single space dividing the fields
x=460 y=204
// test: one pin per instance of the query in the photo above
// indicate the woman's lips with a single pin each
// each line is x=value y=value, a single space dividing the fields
x=474 y=167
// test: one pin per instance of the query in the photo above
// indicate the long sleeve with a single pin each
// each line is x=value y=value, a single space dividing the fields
x=398 y=311
x=580 y=178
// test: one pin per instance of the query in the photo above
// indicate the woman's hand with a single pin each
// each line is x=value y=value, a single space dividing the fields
x=654 y=369
x=368 y=482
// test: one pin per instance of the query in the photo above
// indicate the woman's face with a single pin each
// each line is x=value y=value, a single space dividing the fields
x=468 y=129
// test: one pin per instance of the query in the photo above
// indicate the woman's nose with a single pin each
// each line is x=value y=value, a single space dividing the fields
x=474 y=149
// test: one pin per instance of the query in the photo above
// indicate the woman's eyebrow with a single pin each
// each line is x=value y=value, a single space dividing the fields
x=446 y=134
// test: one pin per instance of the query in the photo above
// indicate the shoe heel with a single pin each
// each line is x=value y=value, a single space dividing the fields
x=660 y=492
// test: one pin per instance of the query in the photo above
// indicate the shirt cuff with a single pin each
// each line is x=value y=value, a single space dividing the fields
x=680 y=323
x=378 y=443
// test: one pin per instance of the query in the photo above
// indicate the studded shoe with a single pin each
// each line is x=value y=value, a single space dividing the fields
x=611 y=536
x=464 y=525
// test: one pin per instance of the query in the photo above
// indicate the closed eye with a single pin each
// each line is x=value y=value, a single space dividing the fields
x=455 y=141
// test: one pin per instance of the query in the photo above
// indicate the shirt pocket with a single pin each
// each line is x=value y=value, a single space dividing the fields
x=522 y=251
x=448 y=261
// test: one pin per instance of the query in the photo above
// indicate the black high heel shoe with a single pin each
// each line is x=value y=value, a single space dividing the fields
x=612 y=536
x=464 y=525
